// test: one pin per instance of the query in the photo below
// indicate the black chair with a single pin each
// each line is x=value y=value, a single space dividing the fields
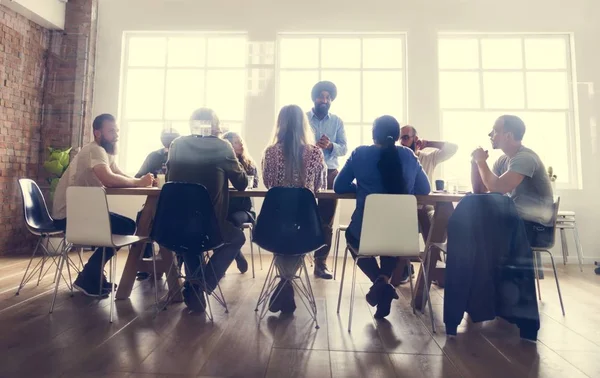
x=185 y=221
x=40 y=223
x=289 y=224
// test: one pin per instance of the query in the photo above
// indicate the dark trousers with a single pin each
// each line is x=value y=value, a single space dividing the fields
x=219 y=262
x=119 y=225
x=327 y=209
x=369 y=265
x=238 y=218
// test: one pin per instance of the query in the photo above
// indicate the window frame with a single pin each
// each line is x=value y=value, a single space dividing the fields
x=125 y=67
x=361 y=70
x=571 y=112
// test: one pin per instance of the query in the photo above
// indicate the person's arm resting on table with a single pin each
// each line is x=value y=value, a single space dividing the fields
x=344 y=181
x=519 y=167
x=113 y=180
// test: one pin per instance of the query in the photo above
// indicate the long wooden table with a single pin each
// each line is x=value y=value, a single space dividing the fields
x=442 y=202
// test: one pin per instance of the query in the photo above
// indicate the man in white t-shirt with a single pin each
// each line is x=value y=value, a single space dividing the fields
x=430 y=154
x=95 y=165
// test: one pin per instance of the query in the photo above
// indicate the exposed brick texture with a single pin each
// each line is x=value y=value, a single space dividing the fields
x=23 y=46
x=46 y=96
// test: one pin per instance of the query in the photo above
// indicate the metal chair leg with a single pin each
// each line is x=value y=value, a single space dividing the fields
x=578 y=247
x=412 y=290
x=113 y=273
x=154 y=274
x=23 y=280
x=563 y=242
x=352 y=294
x=342 y=281
x=537 y=277
x=251 y=252
x=428 y=292
x=262 y=291
x=336 y=251
x=62 y=262
x=557 y=284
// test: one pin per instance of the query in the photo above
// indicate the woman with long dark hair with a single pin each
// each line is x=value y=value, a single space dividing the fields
x=382 y=167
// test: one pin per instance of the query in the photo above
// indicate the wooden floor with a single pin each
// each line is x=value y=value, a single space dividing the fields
x=78 y=341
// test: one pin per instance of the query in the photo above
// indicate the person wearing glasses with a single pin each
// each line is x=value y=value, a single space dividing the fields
x=430 y=154
x=519 y=173
x=330 y=137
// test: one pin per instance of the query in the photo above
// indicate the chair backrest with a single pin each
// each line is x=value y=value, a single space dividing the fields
x=289 y=222
x=185 y=219
x=35 y=210
x=88 y=221
x=390 y=226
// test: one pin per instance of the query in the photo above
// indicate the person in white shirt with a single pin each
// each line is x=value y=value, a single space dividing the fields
x=95 y=165
x=430 y=154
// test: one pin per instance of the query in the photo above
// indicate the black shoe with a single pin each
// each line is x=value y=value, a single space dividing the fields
x=276 y=300
x=385 y=302
x=405 y=277
x=194 y=298
x=375 y=292
x=321 y=271
x=107 y=285
x=241 y=263
x=288 y=304
x=89 y=286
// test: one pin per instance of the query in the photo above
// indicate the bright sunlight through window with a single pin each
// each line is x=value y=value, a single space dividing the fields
x=368 y=70
x=167 y=76
x=483 y=77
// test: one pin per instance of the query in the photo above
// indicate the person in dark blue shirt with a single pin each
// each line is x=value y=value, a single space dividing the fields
x=382 y=167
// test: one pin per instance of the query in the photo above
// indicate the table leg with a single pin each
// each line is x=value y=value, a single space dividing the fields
x=136 y=250
x=437 y=234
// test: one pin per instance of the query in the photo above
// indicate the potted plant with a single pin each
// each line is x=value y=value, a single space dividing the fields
x=552 y=177
x=56 y=164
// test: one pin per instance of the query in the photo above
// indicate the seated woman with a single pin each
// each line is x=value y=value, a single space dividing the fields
x=241 y=209
x=380 y=168
x=292 y=161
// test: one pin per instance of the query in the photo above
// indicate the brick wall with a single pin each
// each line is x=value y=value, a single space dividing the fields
x=23 y=46
x=46 y=96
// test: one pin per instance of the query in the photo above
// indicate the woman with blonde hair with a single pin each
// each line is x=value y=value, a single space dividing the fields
x=241 y=209
x=292 y=160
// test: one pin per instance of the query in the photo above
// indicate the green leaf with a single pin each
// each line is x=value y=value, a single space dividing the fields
x=54 y=167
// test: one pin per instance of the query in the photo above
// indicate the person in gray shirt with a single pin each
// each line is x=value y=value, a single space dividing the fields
x=519 y=173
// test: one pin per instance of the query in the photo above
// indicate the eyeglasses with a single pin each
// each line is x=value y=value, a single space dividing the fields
x=405 y=137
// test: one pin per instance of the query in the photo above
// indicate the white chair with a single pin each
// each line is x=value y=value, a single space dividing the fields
x=250 y=227
x=566 y=221
x=338 y=231
x=88 y=223
x=389 y=228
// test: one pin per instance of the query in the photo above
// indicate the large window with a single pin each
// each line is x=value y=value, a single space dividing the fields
x=484 y=76
x=167 y=76
x=368 y=70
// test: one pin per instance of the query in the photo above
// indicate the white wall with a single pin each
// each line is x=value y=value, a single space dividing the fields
x=421 y=19
x=47 y=13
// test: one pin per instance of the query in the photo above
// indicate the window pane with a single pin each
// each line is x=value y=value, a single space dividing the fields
x=459 y=90
x=354 y=138
x=185 y=93
x=383 y=93
x=455 y=53
x=144 y=93
x=547 y=90
x=347 y=103
x=147 y=52
x=299 y=53
x=501 y=53
x=227 y=126
x=383 y=53
x=367 y=134
x=469 y=130
x=142 y=138
x=227 y=52
x=503 y=90
x=340 y=53
x=295 y=88
x=182 y=127
x=186 y=52
x=546 y=53
x=226 y=93
x=547 y=135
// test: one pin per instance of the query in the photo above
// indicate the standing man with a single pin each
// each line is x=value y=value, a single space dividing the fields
x=331 y=138
x=430 y=154
x=95 y=165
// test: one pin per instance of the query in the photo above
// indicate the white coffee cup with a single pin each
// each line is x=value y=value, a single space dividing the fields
x=160 y=180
